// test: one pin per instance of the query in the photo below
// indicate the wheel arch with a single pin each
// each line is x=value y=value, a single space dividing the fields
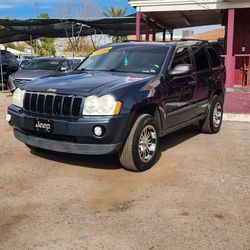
x=220 y=93
x=153 y=109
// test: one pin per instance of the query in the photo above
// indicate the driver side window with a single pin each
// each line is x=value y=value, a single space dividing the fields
x=181 y=56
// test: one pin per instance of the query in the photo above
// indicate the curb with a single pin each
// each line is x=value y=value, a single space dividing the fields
x=236 y=117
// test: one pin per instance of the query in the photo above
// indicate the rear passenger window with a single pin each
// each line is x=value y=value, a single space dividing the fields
x=201 y=59
x=182 y=56
x=214 y=57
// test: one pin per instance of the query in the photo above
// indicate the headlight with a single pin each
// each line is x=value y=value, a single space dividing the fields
x=18 y=97
x=104 y=105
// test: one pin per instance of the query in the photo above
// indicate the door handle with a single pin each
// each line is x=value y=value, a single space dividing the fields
x=211 y=78
x=192 y=83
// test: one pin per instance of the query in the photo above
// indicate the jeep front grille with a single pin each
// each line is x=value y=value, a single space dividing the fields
x=53 y=104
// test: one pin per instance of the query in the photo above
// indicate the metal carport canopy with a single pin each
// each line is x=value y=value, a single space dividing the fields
x=186 y=13
x=22 y=30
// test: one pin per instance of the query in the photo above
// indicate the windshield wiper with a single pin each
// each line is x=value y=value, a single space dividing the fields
x=116 y=70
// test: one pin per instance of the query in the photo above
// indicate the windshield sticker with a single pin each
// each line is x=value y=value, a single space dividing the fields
x=126 y=61
x=101 y=51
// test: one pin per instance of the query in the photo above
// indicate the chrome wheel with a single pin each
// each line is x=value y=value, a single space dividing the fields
x=217 y=115
x=147 y=143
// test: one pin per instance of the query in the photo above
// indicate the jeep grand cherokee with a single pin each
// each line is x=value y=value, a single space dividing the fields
x=123 y=98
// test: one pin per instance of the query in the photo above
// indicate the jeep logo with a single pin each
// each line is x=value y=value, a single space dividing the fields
x=51 y=90
x=42 y=125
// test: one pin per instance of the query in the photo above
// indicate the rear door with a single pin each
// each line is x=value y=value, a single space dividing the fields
x=203 y=74
x=217 y=75
x=180 y=91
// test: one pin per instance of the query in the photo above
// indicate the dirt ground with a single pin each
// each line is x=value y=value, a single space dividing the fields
x=197 y=196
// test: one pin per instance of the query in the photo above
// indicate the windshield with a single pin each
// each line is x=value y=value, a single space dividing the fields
x=44 y=64
x=136 y=59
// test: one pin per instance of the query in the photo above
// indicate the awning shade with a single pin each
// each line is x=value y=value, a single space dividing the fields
x=21 y=30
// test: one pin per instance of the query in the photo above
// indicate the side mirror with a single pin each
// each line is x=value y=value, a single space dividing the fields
x=181 y=69
x=63 y=69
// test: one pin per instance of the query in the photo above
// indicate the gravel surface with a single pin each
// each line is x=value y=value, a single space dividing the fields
x=196 y=196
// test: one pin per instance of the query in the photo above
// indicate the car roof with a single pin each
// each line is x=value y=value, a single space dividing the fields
x=50 y=58
x=177 y=43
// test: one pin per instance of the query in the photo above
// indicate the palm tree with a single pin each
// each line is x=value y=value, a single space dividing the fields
x=116 y=12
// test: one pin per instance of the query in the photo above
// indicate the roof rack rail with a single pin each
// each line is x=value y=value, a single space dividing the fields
x=193 y=40
x=126 y=41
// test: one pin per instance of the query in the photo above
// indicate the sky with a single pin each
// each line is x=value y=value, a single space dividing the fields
x=24 y=9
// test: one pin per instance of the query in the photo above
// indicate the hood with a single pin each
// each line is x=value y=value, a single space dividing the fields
x=84 y=83
x=32 y=74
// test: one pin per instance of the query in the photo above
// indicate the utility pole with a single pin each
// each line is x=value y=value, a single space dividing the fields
x=1 y=69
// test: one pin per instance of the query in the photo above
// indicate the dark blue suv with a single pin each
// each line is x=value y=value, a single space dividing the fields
x=123 y=98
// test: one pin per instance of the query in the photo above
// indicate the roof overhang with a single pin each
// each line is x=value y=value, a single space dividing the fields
x=187 y=5
x=190 y=18
x=173 y=14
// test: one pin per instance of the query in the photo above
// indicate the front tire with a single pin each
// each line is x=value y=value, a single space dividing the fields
x=140 y=150
x=213 y=121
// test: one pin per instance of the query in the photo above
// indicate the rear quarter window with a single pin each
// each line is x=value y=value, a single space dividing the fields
x=201 y=59
x=214 y=57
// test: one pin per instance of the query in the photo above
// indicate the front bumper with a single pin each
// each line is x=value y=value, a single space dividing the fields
x=71 y=135
x=67 y=147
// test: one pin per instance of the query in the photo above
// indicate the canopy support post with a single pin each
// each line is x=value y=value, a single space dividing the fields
x=164 y=35
x=138 y=25
x=31 y=49
x=73 y=44
x=147 y=29
x=154 y=33
x=1 y=70
x=230 y=59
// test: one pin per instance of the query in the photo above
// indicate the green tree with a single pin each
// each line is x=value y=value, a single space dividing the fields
x=43 y=46
x=116 y=12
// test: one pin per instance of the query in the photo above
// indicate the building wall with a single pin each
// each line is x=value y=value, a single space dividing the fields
x=241 y=40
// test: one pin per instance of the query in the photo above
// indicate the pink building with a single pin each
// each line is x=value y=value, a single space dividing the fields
x=168 y=15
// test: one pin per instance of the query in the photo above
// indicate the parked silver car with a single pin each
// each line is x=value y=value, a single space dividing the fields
x=9 y=65
x=37 y=68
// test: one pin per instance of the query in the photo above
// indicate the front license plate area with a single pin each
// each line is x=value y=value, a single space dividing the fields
x=43 y=126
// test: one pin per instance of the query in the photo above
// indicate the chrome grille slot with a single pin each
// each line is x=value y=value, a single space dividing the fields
x=76 y=106
x=57 y=105
x=33 y=102
x=66 y=105
x=52 y=104
x=26 y=104
x=48 y=104
x=40 y=104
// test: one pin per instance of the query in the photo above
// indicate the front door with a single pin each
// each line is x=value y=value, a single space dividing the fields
x=204 y=72
x=180 y=92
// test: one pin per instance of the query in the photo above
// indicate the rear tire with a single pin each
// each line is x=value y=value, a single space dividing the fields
x=212 y=123
x=140 y=150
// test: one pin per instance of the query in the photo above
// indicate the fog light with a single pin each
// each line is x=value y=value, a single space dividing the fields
x=7 y=117
x=98 y=131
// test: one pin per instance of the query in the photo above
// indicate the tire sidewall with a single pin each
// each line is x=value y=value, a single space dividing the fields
x=140 y=165
x=216 y=100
